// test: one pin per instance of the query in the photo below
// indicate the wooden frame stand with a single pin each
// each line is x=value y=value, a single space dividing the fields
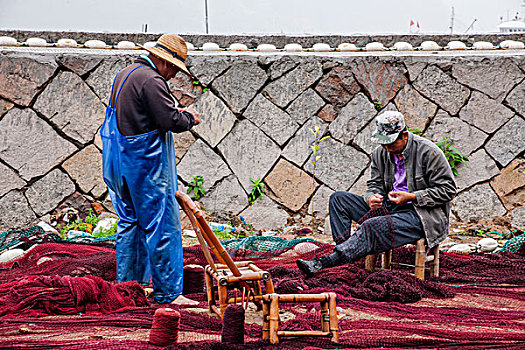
x=271 y=302
x=420 y=264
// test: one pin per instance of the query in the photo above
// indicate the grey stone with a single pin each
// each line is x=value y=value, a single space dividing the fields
x=298 y=149
x=352 y=118
x=493 y=77
x=275 y=122
x=285 y=89
x=518 y=218
x=282 y=65
x=508 y=142
x=102 y=77
x=85 y=168
x=485 y=113
x=417 y=110
x=328 y=113
x=319 y=202
x=21 y=76
x=10 y=180
x=207 y=68
x=216 y=119
x=240 y=83
x=15 y=212
x=47 y=193
x=255 y=158
x=265 y=214
x=69 y=104
x=414 y=69
x=480 y=168
x=182 y=88
x=30 y=145
x=480 y=203
x=509 y=184
x=516 y=98
x=98 y=140
x=305 y=106
x=340 y=165
x=200 y=160
x=359 y=186
x=442 y=89
x=227 y=197
x=466 y=137
x=182 y=142
x=364 y=138
x=339 y=86
x=79 y=64
x=5 y=106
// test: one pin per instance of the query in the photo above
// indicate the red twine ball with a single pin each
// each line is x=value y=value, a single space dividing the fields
x=165 y=328
x=233 y=325
x=193 y=279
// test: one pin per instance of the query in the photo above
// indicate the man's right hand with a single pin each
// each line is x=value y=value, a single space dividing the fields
x=375 y=201
x=194 y=113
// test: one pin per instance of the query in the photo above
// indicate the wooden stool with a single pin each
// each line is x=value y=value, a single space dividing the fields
x=226 y=280
x=421 y=259
x=271 y=316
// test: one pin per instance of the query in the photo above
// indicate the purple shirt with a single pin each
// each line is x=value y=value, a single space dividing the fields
x=400 y=175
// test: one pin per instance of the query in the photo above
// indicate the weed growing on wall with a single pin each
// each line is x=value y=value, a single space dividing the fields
x=195 y=186
x=258 y=190
x=316 y=131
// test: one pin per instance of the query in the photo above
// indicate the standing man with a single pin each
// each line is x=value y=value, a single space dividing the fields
x=411 y=185
x=140 y=172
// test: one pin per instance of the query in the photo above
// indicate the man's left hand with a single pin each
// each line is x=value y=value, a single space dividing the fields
x=400 y=197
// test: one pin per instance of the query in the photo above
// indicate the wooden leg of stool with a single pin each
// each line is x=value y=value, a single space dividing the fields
x=370 y=263
x=387 y=260
x=325 y=316
x=209 y=290
x=268 y=285
x=266 y=320
x=274 y=318
x=223 y=299
x=421 y=255
x=333 y=317
x=434 y=268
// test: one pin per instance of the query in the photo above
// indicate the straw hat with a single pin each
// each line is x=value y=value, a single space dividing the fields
x=171 y=48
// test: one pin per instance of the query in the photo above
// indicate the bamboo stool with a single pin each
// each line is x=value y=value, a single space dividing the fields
x=225 y=280
x=271 y=302
x=421 y=259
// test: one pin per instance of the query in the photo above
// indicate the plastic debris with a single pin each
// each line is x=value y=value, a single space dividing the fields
x=76 y=233
x=104 y=224
x=215 y=226
x=487 y=244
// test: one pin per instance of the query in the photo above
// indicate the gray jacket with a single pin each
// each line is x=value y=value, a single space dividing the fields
x=429 y=177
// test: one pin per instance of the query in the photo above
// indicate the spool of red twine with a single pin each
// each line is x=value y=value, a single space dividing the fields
x=193 y=279
x=165 y=328
x=233 y=325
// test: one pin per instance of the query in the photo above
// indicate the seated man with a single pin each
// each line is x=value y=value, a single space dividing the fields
x=410 y=188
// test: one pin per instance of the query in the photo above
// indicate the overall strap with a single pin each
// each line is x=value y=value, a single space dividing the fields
x=121 y=85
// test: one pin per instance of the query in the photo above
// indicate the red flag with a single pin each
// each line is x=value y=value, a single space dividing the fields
x=418 y=24
x=411 y=23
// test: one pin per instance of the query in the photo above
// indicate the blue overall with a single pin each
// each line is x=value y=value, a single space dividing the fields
x=141 y=176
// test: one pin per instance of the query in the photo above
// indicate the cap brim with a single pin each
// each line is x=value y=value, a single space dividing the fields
x=384 y=139
x=167 y=57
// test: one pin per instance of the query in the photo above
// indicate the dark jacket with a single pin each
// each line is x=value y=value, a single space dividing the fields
x=429 y=177
x=145 y=103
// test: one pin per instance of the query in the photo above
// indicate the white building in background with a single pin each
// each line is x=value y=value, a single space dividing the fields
x=515 y=26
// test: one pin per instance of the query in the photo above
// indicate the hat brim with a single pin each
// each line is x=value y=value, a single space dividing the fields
x=377 y=137
x=167 y=57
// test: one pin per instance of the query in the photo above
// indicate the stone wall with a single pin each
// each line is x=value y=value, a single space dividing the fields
x=256 y=117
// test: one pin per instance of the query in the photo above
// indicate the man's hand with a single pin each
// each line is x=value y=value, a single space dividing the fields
x=375 y=201
x=194 y=113
x=400 y=197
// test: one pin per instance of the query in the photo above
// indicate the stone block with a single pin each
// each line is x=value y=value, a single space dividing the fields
x=359 y=187
x=227 y=197
x=439 y=87
x=5 y=106
x=282 y=66
x=30 y=145
x=291 y=186
x=305 y=106
x=508 y=142
x=240 y=83
x=272 y=120
x=338 y=86
x=79 y=65
x=414 y=69
x=298 y=149
x=71 y=105
x=518 y=218
x=417 y=110
x=15 y=212
x=516 y=98
x=319 y=202
x=352 y=118
x=479 y=203
x=328 y=113
x=183 y=89
x=216 y=118
x=207 y=68
x=256 y=156
x=509 y=185
x=285 y=89
x=364 y=138
x=265 y=214
x=22 y=76
x=200 y=160
x=485 y=113
x=102 y=77
x=85 y=168
x=10 y=180
x=466 y=137
x=47 y=193
x=182 y=142
x=480 y=168
x=340 y=165
x=381 y=80
x=493 y=77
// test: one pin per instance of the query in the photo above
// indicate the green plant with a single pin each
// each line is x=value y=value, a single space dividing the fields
x=316 y=131
x=195 y=186
x=378 y=106
x=258 y=190
x=416 y=131
x=91 y=219
x=107 y=232
x=198 y=83
x=454 y=157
